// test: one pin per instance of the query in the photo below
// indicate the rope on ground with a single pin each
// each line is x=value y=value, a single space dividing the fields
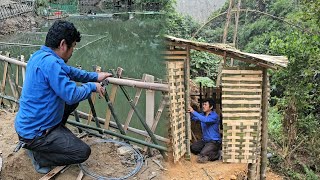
x=136 y=153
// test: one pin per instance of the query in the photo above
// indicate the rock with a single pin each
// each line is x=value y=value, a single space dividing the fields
x=233 y=177
x=221 y=177
x=124 y=150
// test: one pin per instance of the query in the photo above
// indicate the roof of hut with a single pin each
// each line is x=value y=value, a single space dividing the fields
x=225 y=50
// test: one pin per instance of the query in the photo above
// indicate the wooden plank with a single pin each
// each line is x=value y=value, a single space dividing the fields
x=240 y=90
x=52 y=173
x=150 y=102
x=17 y=75
x=4 y=78
x=80 y=175
x=224 y=102
x=240 y=78
x=240 y=85
x=240 y=109
x=241 y=115
x=113 y=94
x=234 y=96
x=228 y=71
x=135 y=102
x=14 y=91
x=174 y=52
x=156 y=119
x=23 y=69
x=175 y=57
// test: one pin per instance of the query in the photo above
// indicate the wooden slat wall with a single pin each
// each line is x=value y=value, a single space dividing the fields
x=177 y=131
x=241 y=111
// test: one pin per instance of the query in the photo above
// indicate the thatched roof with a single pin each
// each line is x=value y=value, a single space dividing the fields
x=229 y=51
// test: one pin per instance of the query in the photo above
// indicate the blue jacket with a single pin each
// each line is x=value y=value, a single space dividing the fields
x=209 y=125
x=49 y=84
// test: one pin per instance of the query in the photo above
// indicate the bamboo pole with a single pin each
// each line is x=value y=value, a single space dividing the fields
x=225 y=32
x=23 y=69
x=4 y=78
x=235 y=33
x=113 y=94
x=131 y=129
x=119 y=125
x=93 y=97
x=142 y=120
x=252 y=171
x=138 y=84
x=187 y=102
x=264 y=127
x=135 y=102
x=156 y=146
x=117 y=81
x=224 y=40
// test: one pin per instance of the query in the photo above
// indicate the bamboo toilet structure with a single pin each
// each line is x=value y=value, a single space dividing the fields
x=244 y=102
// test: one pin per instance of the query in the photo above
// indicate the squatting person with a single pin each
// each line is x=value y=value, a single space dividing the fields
x=209 y=146
x=49 y=95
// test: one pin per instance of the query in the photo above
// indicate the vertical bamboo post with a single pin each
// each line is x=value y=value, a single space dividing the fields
x=187 y=102
x=23 y=69
x=264 y=127
x=252 y=171
x=17 y=75
x=113 y=94
x=149 y=102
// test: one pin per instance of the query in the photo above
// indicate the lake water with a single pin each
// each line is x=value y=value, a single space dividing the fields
x=132 y=42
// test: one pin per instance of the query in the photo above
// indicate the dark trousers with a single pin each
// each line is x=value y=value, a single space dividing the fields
x=209 y=149
x=59 y=146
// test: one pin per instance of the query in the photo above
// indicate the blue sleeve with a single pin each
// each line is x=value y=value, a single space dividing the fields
x=194 y=118
x=83 y=76
x=65 y=88
x=212 y=118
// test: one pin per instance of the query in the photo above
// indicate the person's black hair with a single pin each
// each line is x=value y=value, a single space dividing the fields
x=62 y=30
x=210 y=101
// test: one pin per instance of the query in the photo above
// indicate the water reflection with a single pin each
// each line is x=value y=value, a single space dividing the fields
x=130 y=41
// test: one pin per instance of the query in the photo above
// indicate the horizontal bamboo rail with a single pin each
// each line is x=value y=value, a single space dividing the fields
x=117 y=81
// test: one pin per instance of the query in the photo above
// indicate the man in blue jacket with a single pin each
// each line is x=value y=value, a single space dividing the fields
x=49 y=95
x=209 y=146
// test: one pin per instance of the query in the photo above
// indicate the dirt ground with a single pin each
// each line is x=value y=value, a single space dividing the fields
x=17 y=166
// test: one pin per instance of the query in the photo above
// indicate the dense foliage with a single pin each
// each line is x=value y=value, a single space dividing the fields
x=294 y=117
